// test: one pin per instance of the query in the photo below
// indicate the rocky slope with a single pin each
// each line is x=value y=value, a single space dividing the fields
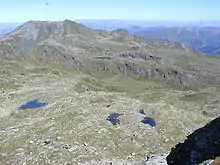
x=89 y=79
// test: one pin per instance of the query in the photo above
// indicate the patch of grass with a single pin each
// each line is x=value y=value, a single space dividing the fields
x=4 y=46
x=197 y=97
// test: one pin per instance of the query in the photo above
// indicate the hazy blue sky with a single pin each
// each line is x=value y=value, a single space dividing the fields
x=183 y=10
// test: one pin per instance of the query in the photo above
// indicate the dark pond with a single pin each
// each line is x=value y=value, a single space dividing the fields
x=150 y=121
x=32 y=105
x=141 y=111
x=113 y=118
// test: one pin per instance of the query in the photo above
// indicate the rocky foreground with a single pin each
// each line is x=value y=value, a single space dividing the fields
x=201 y=145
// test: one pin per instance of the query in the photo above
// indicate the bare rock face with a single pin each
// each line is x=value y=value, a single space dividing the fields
x=141 y=55
x=201 y=145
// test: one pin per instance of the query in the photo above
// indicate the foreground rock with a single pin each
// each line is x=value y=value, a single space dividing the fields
x=216 y=161
x=156 y=160
x=201 y=145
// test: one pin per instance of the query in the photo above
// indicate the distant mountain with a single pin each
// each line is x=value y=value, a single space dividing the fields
x=7 y=27
x=201 y=36
x=4 y=31
x=205 y=39
x=112 y=24
x=106 y=24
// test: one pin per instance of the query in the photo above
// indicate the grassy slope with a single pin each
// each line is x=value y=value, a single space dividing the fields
x=77 y=113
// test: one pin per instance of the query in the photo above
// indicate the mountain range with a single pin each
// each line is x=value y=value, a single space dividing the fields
x=7 y=27
x=201 y=36
x=204 y=39
x=90 y=87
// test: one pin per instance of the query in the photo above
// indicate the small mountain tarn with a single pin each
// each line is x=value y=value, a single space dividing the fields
x=113 y=118
x=141 y=111
x=32 y=105
x=148 y=120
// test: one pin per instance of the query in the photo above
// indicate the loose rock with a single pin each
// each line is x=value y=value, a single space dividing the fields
x=48 y=141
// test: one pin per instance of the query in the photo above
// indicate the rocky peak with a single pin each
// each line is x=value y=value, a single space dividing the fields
x=73 y=28
x=29 y=35
x=120 y=31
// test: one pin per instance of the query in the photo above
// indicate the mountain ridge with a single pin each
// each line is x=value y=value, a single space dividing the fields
x=60 y=40
x=204 y=39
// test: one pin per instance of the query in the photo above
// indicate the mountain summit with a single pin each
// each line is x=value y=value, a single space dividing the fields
x=34 y=33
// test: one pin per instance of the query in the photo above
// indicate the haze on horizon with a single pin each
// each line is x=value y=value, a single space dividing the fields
x=151 y=10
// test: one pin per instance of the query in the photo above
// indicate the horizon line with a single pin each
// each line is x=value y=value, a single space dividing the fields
x=110 y=19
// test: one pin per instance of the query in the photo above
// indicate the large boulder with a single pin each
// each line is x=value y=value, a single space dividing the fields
x=201 y=145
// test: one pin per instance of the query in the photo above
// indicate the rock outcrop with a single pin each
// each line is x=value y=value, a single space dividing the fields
x=201 y=145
